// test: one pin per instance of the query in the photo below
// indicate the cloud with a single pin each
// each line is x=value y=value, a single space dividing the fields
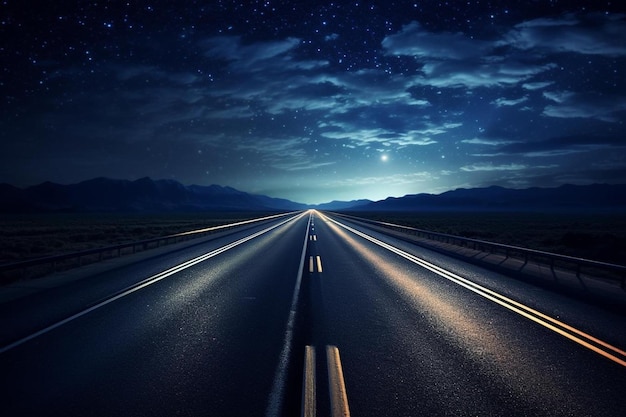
x=569 y=104
x=591 y=34
x=230 y=48
x=356 y=136
x=387 y=180
x=474 y=75
x=141 y=73
x=335 y=94
x=455 y=60
x=487 y=142
x=269 y=75
x=368 y=137
x=491 y=167
x=291 y=165
x=561 y=145
x=503 y=102
x=558 y=96
x=260 y=58
x=413 y=40
x=279 y=110
x=287 y=154
x=242 y=111
x=324 y=88
x=537 y=85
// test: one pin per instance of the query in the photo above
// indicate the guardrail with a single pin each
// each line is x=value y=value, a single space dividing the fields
x=594 y=269
x=42 y=266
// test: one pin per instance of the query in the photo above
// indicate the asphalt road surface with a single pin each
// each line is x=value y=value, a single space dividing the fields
x=308 y=315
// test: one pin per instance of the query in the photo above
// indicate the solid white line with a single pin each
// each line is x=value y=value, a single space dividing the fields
x=226 y=226
x=557 y=326
x=142 y=284
x=336 y=384
x=278 y=387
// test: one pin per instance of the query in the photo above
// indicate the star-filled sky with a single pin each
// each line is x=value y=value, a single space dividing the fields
x=314 y=101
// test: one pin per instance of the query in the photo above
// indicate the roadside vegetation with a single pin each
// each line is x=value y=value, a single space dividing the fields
x=28 y=236
x=600 y=237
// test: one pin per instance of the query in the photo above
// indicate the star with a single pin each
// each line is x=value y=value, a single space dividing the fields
x=310 y=92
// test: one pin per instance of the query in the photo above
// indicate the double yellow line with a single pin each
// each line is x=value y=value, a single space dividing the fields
x=313 y=262
x=336 y=384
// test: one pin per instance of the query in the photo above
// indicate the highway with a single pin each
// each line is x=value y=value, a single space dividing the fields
x=308 y=315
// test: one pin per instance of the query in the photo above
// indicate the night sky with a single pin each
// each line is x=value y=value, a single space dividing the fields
x=315 y=101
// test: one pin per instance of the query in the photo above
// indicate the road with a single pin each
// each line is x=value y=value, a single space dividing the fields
x=387 y=328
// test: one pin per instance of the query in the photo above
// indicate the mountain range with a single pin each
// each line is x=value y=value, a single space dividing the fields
x=142 y=195
x=594 y=197
x=147 y=195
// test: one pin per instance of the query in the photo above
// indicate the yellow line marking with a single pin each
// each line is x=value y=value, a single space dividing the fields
x=319 y=264
x=542 y=319
x=337 y=386
x=308 y=383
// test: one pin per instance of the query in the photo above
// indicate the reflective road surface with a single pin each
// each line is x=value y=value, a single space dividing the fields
x=308 y=315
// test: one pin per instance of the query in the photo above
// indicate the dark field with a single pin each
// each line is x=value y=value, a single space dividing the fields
x=38 y=235
x=600 y=237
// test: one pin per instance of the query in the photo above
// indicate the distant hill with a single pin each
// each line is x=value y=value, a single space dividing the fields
x=342 y=205
x=563 y=198
x=145 y=194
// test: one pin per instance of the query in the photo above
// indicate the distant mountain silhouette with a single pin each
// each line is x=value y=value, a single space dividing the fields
x=563 y=198
x=342 y=205
x=145 y=194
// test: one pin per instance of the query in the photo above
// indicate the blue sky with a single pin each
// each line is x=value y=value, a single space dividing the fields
x=316 y=101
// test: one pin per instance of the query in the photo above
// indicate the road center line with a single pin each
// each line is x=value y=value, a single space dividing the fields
x=590 y=342
x=308 y=383
x=336 y=383
x=280 y=377
x=319 y=264
x=143 y=284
